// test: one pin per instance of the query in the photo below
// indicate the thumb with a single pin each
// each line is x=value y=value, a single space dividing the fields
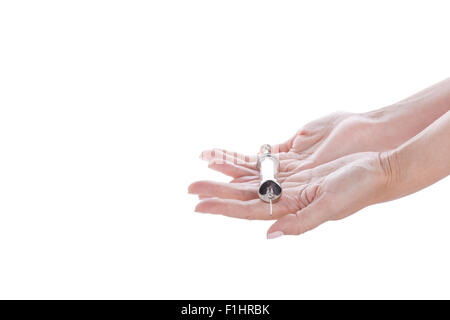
x=283 y=147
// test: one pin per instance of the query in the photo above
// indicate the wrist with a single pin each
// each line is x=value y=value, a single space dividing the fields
x=380 y=119
x=390 y=174
x=388 y=126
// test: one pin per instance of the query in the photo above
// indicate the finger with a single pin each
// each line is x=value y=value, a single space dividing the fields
x=283 y=147
x=252 y=209
x=244 y=160
x=301 y=222
x=219 y=155
x=224 y=190
x=295 y=165
x=301 y=141
x=304 y=141
x=202 y=197
x=247 y=179
x=231 y=169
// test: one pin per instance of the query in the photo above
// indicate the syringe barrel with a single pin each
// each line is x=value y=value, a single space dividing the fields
x=268 y=167
x=269 y=188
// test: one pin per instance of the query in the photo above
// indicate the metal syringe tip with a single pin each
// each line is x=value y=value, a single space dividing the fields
x=270 y=195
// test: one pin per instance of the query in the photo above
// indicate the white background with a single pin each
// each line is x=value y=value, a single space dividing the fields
x=105 y=107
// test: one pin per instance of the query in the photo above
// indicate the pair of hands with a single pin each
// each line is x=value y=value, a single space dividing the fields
x=327 y=172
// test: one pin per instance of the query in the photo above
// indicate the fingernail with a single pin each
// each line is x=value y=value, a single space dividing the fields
x=275 y=234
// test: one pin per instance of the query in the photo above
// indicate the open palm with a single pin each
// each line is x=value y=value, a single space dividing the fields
x=310 y=197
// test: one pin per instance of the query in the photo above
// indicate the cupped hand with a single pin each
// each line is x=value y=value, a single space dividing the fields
x=310 y=197
x=318 y=142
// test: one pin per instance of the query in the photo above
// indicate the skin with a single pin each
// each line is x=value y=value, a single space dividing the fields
x=382 y=155
x=315 y=143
